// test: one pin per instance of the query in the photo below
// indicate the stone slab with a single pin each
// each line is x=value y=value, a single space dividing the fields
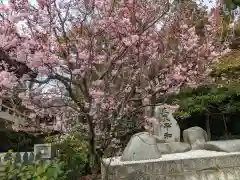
x=223 y=146
x=173 y=147
x=192 y=165
x=196 y=137
x=141 y=146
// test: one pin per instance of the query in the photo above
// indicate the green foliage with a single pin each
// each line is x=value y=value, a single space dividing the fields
x=222 y=97
x=73 y=153
x=37 y=170
x=227 y=71
x=209 y=99
x=70 y=164
x=215 y=107
x=230 y=4
x=227 y=18
x=227 y=65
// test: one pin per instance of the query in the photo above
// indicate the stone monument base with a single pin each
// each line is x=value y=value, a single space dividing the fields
x=191 y=165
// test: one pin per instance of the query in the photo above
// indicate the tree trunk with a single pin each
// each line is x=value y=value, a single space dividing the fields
x=153 y=101
x=208 y=126
x=93 y=159
x=225 y=126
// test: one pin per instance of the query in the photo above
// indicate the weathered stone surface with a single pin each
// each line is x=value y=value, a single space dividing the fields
x=225 y=146
x=173 y=147
x=228 y=161
x=196 y=137
x=228 y=173
x=192 y=176
x=142 y=146
x=200 y=165
x=173 y=167
x=237 y=171
x=166 y=126
x=175 y=177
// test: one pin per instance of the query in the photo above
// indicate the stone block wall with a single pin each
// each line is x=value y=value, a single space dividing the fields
x=225 y=167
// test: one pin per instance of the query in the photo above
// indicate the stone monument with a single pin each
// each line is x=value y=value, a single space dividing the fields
x=161 y=155
x=165 y=125
x=165 y=138
x=167 y=131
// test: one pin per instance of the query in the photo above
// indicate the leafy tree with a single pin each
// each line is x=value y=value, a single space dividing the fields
x=126 y=54
x=73 y=155
x=220 y=98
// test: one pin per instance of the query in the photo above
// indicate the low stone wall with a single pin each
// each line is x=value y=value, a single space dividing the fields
x=193 y=165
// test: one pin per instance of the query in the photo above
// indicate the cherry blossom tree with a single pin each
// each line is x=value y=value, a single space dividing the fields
x=103 y=60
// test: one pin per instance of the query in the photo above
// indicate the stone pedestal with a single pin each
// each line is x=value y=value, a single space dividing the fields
x=192 y=165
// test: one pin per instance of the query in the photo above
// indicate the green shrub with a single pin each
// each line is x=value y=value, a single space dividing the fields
x=36 y=170
x=73 y=153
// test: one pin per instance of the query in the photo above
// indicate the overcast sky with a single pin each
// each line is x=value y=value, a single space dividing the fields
x=209 y=4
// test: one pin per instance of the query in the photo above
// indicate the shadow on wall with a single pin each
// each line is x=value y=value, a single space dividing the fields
x=221 y=127
x=18 y=141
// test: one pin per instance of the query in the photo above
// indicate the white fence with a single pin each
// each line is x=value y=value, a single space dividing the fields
x=19 y=157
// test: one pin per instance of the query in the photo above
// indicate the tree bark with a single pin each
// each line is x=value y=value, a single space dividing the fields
x=208 y=126
x=93 y=157
x=226 y=128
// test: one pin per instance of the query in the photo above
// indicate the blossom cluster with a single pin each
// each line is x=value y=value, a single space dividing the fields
x=106 y=59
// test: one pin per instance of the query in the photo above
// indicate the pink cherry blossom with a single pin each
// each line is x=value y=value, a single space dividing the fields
x=104 y=60
x=7 y=80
